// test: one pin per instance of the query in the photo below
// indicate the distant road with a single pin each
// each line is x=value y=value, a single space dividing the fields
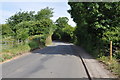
x=56 y=61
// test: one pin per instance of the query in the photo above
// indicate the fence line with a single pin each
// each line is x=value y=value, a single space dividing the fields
x=9 y=44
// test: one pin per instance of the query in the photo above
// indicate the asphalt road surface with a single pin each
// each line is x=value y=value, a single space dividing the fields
x=56 y=61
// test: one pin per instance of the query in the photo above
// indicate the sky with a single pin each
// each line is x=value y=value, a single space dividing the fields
x=8 y=9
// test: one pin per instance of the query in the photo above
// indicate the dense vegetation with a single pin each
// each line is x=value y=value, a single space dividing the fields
x=97 y=25
x=24 y=24
x=64 y=31
x=25 y=31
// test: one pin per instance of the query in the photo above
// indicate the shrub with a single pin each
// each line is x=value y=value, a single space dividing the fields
x=33 y=44
x=6 y=56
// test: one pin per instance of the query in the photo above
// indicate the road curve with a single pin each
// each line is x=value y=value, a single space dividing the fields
x=56 y=61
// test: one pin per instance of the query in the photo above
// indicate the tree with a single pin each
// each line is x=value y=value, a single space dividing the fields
x=32 y=24
x=6 y=30
x=93 y=21
x=64 y=31
x=22 y=34
x=62 y=22
x=67 y=34
x=45 y=13
x=21 y=16
x=40 y=27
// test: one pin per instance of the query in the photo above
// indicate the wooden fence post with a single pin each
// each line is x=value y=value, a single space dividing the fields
x=110 y=50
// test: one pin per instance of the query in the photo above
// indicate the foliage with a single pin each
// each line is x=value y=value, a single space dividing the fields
x=62 y=22
x=27 y=27
x=33 y=44
x=22 y=34
x=45 y=13
x=6 y=30
x=95 y=27
x=19 y=17
x=14 y=51
x=18 y=49
x=113 y=65
x=24 y=24
x=67 y=34
x=64 y=31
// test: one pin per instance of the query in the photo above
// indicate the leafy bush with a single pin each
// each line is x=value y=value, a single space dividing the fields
x=6 y=56
x=33 y=44
x=22 y=34
x=64 y=31
x=1 y=59
x=40 y=39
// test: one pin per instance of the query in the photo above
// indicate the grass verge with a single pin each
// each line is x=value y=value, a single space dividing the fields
x=18 y=50
x=113 y=65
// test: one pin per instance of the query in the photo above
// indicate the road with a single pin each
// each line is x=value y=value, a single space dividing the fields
x=56 y=61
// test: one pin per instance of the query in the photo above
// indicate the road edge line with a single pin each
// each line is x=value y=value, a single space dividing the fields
x=87 y=72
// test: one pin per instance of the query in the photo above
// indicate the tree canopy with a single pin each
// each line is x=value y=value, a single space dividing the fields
x=45 y=13
x=24 y=24
x=64 y=31
x=97 y=24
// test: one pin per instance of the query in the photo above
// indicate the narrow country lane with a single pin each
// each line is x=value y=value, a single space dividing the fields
x=56 y=61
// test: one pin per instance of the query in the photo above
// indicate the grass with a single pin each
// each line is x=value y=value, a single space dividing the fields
x=18 y=50
x=112 y=65
x=14 y=51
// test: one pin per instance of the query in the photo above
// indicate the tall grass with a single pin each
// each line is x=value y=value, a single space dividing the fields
x=19 y=49
x=112 y=65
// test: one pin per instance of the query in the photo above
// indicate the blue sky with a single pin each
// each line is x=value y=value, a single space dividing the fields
x=60 y=9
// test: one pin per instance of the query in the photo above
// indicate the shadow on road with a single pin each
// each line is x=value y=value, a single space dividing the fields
x=32 y=62
x=56 y=50
x=70 y=49
x=64 y=49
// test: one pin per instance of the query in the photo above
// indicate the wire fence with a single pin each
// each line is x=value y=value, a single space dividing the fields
x=10 y=44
